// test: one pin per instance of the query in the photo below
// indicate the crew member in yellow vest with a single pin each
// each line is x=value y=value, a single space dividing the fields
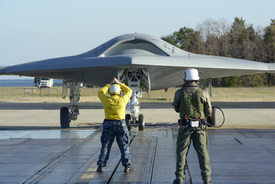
x=194 y=107
x=114 y=125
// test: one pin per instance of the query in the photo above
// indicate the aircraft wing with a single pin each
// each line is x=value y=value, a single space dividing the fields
x=165 y=63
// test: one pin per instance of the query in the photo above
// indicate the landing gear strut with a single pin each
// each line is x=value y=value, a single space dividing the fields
x=137 y=80
x=71 y=113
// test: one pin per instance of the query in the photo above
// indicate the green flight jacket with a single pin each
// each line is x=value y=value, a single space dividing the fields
x=192 y=101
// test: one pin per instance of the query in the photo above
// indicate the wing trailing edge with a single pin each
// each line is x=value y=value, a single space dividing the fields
x=163 y=61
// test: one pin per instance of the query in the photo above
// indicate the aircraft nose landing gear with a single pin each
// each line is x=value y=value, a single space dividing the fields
x=135 y=117
x=137 y=80
x=133 y=107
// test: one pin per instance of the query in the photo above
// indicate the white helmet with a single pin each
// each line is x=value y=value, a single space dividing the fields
x=114 y=89
x=191 y=74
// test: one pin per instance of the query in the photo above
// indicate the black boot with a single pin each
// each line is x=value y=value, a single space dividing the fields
x=99 y=169
x=128 y=169
x=176 y=182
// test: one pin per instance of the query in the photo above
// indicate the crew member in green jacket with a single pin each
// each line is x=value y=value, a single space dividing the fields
x=194 y=107
x=114 y=125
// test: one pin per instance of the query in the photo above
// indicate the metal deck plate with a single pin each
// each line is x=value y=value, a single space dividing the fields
x=237 y=156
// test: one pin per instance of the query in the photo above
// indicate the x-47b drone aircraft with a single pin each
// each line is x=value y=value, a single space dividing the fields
x=142 y=62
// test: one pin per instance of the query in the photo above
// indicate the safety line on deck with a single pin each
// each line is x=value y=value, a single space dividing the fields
x=155 y=152
x=113 y=173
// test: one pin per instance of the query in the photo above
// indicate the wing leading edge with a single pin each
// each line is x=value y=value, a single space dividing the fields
x=165 y=63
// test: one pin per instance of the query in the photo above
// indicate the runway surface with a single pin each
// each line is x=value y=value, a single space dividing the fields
x=33 y=149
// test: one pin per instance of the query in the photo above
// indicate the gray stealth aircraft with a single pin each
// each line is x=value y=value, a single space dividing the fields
x=141 y=61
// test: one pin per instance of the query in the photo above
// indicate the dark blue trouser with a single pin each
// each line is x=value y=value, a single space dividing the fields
x=114 y=129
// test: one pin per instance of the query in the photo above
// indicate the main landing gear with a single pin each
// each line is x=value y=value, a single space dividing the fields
x=71 y=113
x=137 y=80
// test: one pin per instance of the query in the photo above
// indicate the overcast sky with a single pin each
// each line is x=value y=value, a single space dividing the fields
x=32 y=30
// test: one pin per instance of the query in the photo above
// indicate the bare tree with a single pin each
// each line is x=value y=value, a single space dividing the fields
x=215 y=34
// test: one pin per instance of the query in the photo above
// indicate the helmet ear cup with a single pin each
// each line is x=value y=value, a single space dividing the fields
x=191 y=74
x=114 y=89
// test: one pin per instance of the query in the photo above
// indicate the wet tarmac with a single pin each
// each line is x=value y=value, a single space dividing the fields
x=33 y=149
x=70 y=156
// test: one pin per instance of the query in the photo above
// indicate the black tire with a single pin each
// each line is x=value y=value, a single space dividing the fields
x=141 y=122
x=212 y=120
x=128 y=121
x=65 y=117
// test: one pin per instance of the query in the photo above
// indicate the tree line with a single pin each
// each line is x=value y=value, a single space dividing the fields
x=238 y=40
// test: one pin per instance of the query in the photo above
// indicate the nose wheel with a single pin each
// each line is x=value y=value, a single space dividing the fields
x=140 y=122
x=128 y=121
